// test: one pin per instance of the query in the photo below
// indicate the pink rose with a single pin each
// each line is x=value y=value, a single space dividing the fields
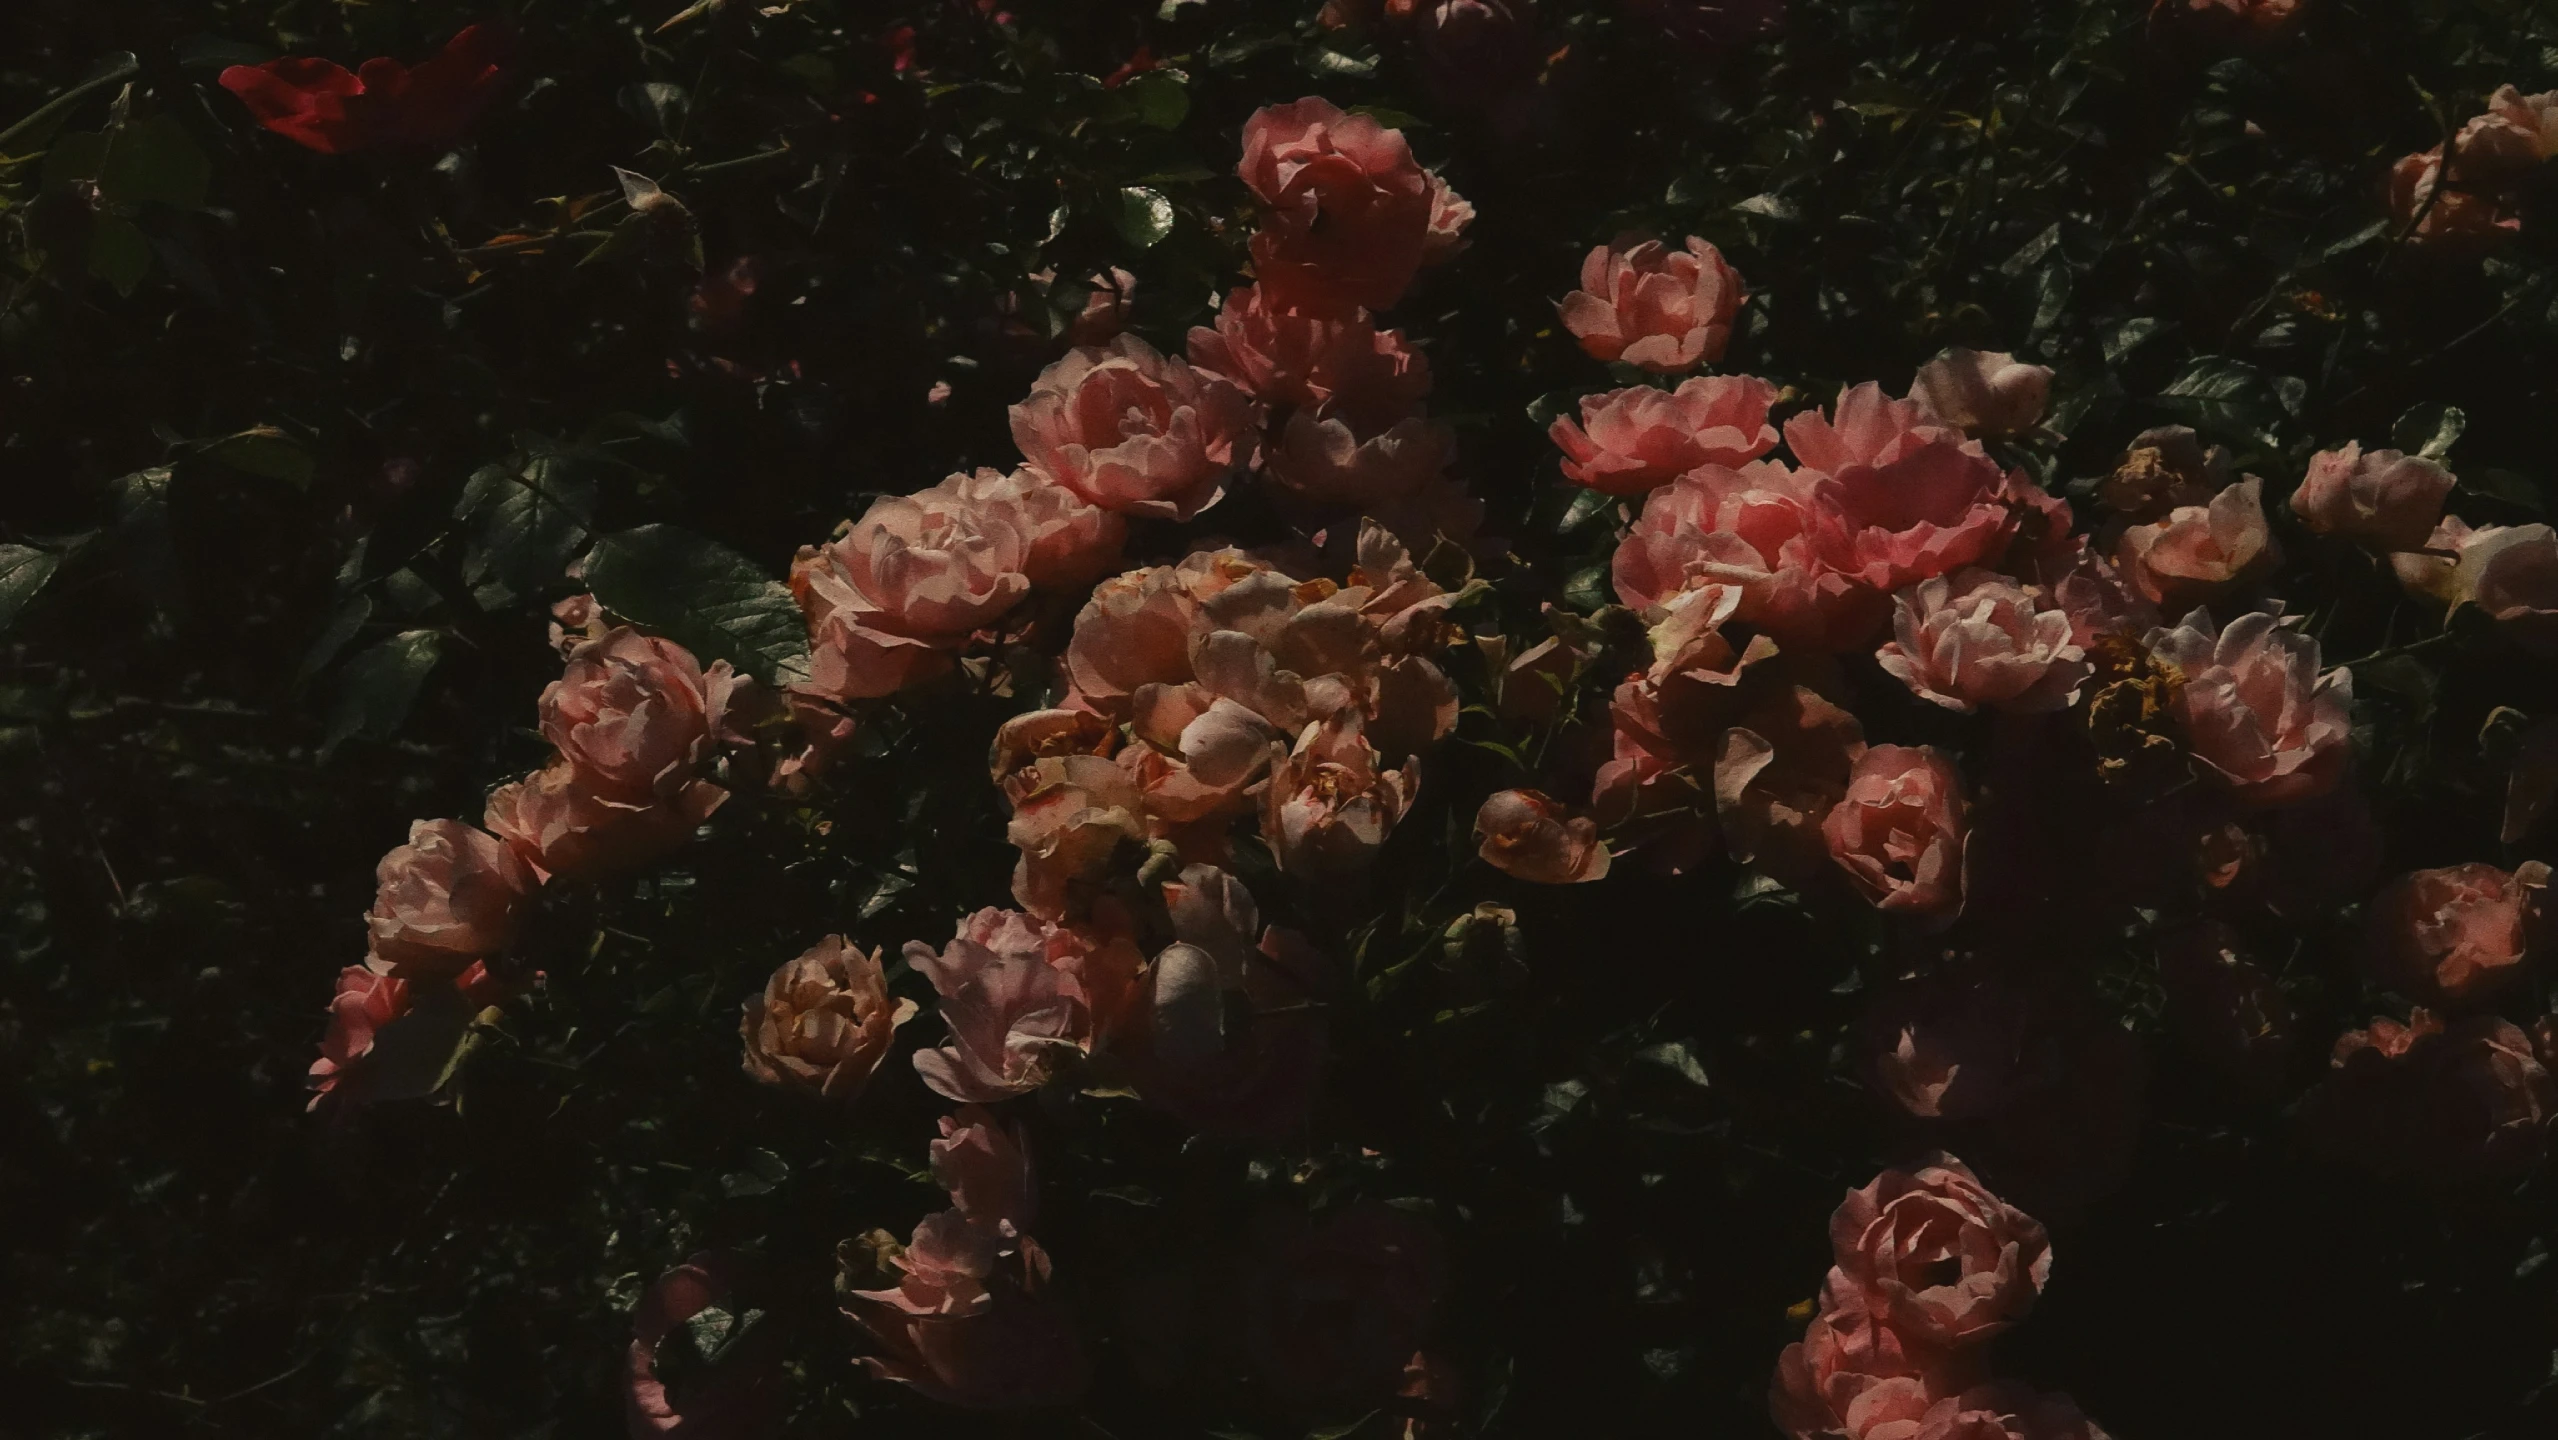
x=2254 y=707
x=2512 y=138
x=448 y=897
x=1523 y=833
x=1135 y=631
x=1899 y=831
x=1015 y=1019
x=903 y=587
x=1978 y=638
x=2512 y=574
x=1935 y=507
x=2435 y=1103
x=365 y=1002
x=1853 y=1375
x=1071 y=813
x=1038 y=734
x=635 y=714
x=1631 y=441
x=1333 y=1311
x=1348 y=213
x=736 y=1397
x=1311 y=358
x=564 y=831
x=2386 y=498
x=1778 y=774
x=1650 y=306
x=824 y=1022
x=2453 y=935
x=1948 y=1045
x=2003 y=1410
x=1450 y=214
x=2449 y=215
x=1105 y=311
x=1329 y=805
x=1751 y=528
x=1136 y=432
x=1070 y=543
x=1325 y=460
x=982 y=1164
x=968 y=1323
x=1982 y=393
x=1936 y=1256
x=1865 y=428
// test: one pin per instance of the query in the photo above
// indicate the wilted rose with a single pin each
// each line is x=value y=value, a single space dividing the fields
x=824 y=1022
x=2453 y=935
x=448 y=897
x=1899 y=831
x=1935 y=1255
x=1523 y=833
x=1134 y=431
x=1977 y=638
x=1631 y=441
x=2390 y=499
x=1650 y=306
x=2254 y=707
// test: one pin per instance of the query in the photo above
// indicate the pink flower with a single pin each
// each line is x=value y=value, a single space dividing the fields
x=2200 y=553
x=1324 y=460
x=1899 y=831
x=1751 y=528
x=1071 y=813
x=987 y=1172
x=824 y=1022
x=1934 y=507
x=2453 y=935
x=1853 y=1375
x=1650 y=306
x=635 y=714
x=565 y=831
x=1631 y=441
x=2434 y=1103
x=2448 y=214
x=2003 y=1410
x=1778 y=775
x=1865 y=428
x=1136 y=432
x=1014 y=1017
x=2512 y=574
x=1936 y=1256
x=365 y=1002
x=1329 y=805
x=737 y=1397
x=1982 y=393
x=1105 y=311
x=1948 y=1045
x=1978 y=638
x=2512 y=138
x=1135 y=629
x=2254 y=707
x=1450 y=214
x=968 y=1323
x=448 y=897
x=1309 y=358
x=1333 y=1311
x=1070 y=543
x=904 y=586
x=2386 y=498
x=1523 y=833
x=1348 y=213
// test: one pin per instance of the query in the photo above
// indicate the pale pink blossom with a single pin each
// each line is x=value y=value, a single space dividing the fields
x=2449 y=214
x=824 y=1022
x=2452 y=935
x=1330 y=804
x=1863 y=428
x=2254 y=708
x=2512 y=574
x=2389 y=499
x=2200 y=553
x=1015 y=1018
x=1751 y=528
x=1853 y=1375
x=366 y=1001
x=1932 y=1253
x=1526 y=834
x=1348 y=214
x=1134 y=431
x=1312 y=357
x=1450 y=214
x=1983 y=392
x=903 y=587
x=1931 y=508
x=1069 y=542
x=1650 y=306
x=1631 y=441
x=2514 y=135
x=635 y=715
x=1977 y=638
x=450 y=896
x=1900 y=829
x=563 y=830
x=983 y=1165
x=968 y=1323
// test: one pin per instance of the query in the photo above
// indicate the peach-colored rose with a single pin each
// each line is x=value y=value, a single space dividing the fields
x=1523 y=833
x=1135 y=631
x=1348 y=213
x=2254 y=707
x=2389 y=499
x=2450 y=214
x=1778 y=773
x=1982 y=393
x=635 y=714
x=2453 y=935
x=1899 y=831
x=1071 y=813
x=904 y=586
x=2511 y=572
x=2200 y=553
x=1935 y=506
x=1134 y=431
x=2427 y=572
x=1105 y=311
x=824 y=1022
x=968 y=1323
x=1450 y=214
x=1329 y=805
x=365 y=1002
x=2515 y=134
x=1932 y=1253
x=1015 y=1019
x=1334 y=1310
x=1853 y=1375
x=1036 y=734
x=1070 y=542
x=1977 y=638
x=1752 y=528
x=448 y=897
x=1650 y=306
x=2001 y=1410
x=564 y=831
x=1310 y=358
x=981 y=1162
x=739 y=1397
x=1631 y=441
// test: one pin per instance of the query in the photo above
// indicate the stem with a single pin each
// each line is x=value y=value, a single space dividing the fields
x=124 y=68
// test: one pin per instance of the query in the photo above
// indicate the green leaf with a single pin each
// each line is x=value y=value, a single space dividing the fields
x=119 y=253
x=1675 y=1057
x=1144 y=216
x=703 y=596
x=265 y=451
x=341 y=628
x=153 y=159
x=2129 y=336
x=23 y=571
x=527 y=520
x=379 y=687
x=2226 y=396
x=2429 y=430
x=1161 y=98
x=2514 y=489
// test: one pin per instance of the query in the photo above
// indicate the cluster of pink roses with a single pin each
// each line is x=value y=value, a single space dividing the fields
x=633 y=720
x=2468 y=203
x=1928 y=1266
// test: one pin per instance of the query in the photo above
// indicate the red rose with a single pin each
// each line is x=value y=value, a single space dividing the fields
x=316 y=103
